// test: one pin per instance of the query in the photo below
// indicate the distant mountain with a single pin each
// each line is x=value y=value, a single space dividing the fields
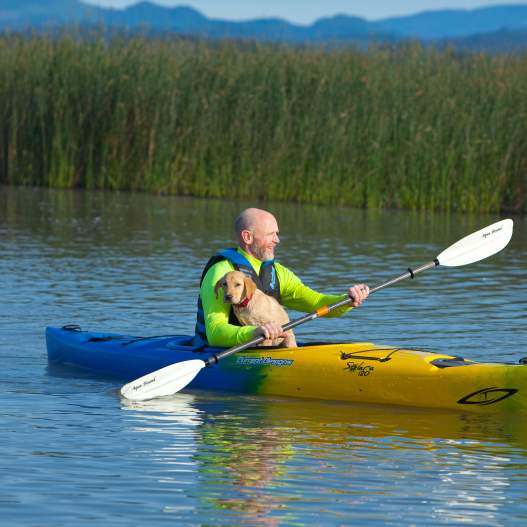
x=185 y=20
x=496 y=42
x=432 y=25
x=465 y=28
x=24 y=14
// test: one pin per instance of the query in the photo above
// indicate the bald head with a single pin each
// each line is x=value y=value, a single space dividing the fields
x=250 y=218
x=257 y=233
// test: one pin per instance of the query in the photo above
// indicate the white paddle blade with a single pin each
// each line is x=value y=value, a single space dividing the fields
x=166 y=381
x=478 y=245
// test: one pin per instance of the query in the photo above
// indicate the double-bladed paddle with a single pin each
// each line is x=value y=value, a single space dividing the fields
x=175 y=377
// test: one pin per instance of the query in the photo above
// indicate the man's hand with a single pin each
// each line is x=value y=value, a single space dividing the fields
x=358 y=293
x=270 y=331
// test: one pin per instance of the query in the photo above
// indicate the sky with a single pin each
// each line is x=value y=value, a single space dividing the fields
x=307 y=11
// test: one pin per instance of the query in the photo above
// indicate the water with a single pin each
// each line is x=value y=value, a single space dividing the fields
x=74 y=453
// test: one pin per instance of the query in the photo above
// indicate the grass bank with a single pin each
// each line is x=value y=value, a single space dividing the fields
x=410 y=128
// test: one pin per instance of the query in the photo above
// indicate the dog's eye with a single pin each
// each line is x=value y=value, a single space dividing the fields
x=239 y=285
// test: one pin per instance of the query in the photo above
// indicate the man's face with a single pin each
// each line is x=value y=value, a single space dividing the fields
x=264 y=238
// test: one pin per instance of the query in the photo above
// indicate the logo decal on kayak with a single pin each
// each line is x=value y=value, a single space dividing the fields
x=263 y=361
x=487 y=396
x=357 y=355
x=359 y=368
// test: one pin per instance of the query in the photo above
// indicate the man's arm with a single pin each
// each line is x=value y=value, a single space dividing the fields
x=219 y=332
x=298 y=296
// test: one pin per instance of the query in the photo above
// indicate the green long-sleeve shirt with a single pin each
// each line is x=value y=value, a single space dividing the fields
x=294 y=295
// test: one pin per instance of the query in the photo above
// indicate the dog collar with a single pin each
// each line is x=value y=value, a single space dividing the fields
x=244 y=302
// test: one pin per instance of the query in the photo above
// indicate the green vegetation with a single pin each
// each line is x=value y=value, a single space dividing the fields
x=410 y=128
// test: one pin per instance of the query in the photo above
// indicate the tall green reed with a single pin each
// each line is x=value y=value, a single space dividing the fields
x=406 y=127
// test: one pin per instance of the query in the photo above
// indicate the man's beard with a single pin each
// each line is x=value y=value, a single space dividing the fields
x=263 y=254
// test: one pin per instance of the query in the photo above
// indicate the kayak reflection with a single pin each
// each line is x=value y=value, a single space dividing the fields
x=272 y=460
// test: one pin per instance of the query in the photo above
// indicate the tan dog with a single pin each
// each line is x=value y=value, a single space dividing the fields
x=252 y=306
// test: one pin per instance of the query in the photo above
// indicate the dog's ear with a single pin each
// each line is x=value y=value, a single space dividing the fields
x=219 y=285
x=250 y=287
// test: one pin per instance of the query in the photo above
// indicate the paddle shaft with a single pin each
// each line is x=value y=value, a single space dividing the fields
x=214 y=359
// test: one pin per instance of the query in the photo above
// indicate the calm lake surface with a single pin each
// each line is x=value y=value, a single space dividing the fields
x=74 y=453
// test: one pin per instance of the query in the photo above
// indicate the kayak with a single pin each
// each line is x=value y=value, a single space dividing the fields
x=356 y=372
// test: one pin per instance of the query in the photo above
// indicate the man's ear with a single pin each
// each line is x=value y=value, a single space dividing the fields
x=250 y=287
x=247 y=236
x=219 y=285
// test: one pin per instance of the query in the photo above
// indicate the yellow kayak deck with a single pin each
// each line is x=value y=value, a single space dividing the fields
x=363 y=372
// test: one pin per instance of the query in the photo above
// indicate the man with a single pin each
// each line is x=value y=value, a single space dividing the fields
x=257 y=234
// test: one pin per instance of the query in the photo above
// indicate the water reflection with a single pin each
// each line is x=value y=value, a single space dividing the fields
x=176 y=412
x=267 y=460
